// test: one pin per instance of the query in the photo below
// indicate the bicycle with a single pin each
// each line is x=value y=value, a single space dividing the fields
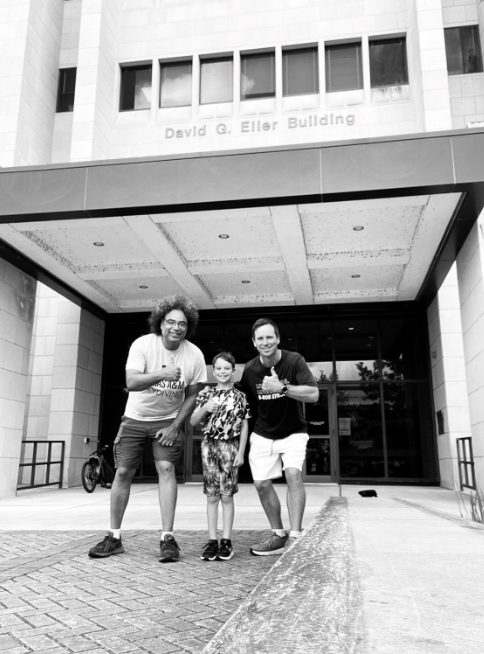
x=97 y=470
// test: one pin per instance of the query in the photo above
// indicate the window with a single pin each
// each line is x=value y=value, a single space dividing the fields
x=216 y=80
x=135 y=87
x=463 y=49
x=300 y=71
x=388 y=62
x=176 y=84
x=257 y=72
x=343 y=67
x=66 y=89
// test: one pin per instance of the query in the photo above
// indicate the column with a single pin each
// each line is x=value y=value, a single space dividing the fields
x=448 y=376
x=94 y=111
x=17 y=301
x=76 y=385
x=470 y=267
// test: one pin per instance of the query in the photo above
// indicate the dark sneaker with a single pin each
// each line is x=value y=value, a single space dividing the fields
x=273 y=544
x=169 y=549
x=107 y=547
x=210 y=551
x=226 y=551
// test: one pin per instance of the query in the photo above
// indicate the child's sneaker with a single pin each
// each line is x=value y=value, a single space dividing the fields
x=226 y=551
x=210 y=551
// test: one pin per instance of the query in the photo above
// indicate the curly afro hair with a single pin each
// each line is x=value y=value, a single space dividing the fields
x=169 y=303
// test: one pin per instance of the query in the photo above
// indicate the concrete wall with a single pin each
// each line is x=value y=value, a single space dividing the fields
x=470 y=269
x=30 y=32
x=448 y=376
x=17 y=300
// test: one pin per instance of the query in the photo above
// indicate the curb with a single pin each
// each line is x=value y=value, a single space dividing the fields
x=309 y=602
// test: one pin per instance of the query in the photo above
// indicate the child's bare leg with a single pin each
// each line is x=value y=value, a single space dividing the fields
x=212 y=516
x=228 y=515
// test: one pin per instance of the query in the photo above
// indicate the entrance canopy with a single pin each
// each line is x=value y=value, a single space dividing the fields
x=377 y=220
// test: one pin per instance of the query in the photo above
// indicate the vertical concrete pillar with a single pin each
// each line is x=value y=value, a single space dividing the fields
x=76 y=385
x=95 y=108
x=448 y=376
x=427 y=33
x=30 y=35
x=17 y=300
x=470 y=271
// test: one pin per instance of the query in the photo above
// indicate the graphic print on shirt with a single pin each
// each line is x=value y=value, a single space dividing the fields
x=264 y=395
x=226 y=421
x=168 y=388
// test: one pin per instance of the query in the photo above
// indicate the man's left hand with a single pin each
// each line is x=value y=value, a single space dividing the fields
x=167 y=436
x=272 y=384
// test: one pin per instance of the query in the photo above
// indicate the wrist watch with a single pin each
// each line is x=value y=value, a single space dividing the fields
x=284 y=389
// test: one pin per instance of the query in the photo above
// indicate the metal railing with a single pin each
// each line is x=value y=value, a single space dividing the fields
x=465 y=462
x=43 y=466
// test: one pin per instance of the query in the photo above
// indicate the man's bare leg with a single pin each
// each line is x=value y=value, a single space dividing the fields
x=296 y=497
x=270 y=502
x=120 y=495
x=167 y=493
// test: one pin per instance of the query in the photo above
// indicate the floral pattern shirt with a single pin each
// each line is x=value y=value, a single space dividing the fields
x=225 y=422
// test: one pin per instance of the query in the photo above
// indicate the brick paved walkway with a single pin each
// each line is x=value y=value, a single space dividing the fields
x=54 y=599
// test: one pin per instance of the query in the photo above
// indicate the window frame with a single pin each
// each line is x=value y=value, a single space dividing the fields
x=286 y=53
x=269 y=53
x=477 y=43
x=61 y=99
x=388 y=40
x=125 y=68
x=357 y=44
x=216 y=59
x=167 y=63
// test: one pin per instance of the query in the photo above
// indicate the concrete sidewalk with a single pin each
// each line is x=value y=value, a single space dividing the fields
x=403 y=572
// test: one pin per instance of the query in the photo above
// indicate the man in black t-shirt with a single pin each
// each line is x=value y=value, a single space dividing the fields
x=278 y=382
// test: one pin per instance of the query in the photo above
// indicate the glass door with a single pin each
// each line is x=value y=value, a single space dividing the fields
x=321 y=456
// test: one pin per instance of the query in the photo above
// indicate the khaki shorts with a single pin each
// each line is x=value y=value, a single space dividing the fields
x=132 y=437
x=268 y=458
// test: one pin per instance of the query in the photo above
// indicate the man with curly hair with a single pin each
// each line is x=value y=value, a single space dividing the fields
x=164 y=373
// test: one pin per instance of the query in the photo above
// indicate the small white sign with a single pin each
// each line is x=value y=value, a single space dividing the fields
x=345 y=426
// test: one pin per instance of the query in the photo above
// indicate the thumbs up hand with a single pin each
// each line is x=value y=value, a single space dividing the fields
x=272 y=383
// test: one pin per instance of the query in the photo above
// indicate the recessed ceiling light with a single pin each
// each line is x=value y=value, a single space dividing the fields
x=350 y=329
x=143 y=286
x=245 y=281
x=98 y=244
x=223 y=236
x=358 y=228
x=355 y=276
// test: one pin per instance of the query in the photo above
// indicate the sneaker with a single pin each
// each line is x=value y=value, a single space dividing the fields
x=107 y=547
x=210 y=551
x=169 y=549
x=273 y=544
x=226 y=551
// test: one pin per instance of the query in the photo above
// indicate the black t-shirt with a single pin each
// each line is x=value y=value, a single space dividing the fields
x=278 y=416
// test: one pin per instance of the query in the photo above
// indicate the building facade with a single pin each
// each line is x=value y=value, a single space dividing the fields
x=318 y=161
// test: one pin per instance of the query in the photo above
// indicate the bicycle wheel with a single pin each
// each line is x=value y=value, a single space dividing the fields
x=89 y=477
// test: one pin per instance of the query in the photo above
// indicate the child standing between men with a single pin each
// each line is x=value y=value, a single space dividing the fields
x=224 y=412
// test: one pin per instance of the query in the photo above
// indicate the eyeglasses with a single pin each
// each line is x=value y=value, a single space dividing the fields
x=174 y=323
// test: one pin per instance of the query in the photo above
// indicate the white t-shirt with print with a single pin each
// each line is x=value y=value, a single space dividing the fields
x=163 y=400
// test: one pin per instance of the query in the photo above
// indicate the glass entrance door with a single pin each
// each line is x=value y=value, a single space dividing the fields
x=321 y=456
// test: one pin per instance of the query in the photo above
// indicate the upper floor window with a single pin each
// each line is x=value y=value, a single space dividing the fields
x=388 y=62
x=463 y=49
x=176 y=83
x=343 y=67
x=258 y=75
x=300 y=74
x=135 y=87
x=216 y=79
x=65 y=89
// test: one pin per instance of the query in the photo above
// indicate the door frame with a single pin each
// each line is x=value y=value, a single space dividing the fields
x=333 y=477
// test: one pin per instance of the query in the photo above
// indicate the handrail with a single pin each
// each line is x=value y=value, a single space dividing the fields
x=34 y=464
x=465 y=462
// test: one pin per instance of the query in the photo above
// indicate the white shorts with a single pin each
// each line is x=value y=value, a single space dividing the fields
x=268 y=458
